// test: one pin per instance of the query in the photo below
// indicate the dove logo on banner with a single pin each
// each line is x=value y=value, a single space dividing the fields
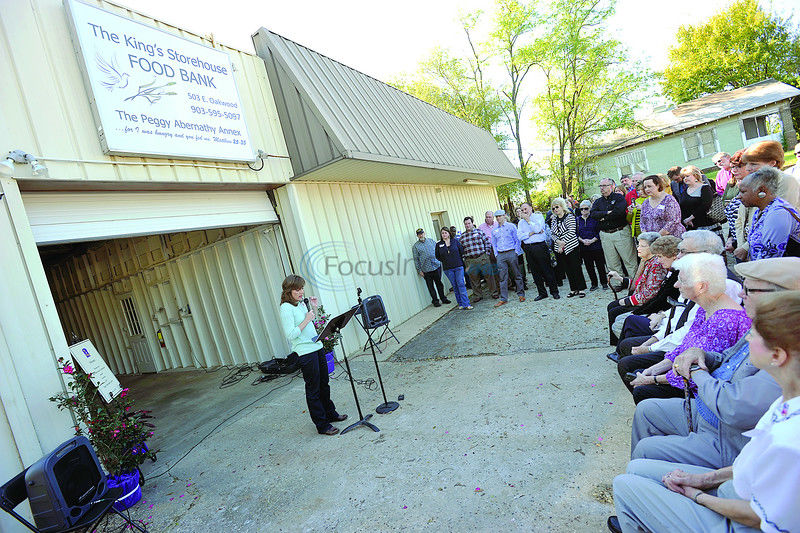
x=157 y=94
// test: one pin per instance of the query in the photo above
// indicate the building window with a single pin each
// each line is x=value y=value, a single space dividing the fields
x=700 y=144
x=631 y=162
x=761 y=126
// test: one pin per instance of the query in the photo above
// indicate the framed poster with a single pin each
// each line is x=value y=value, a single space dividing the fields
x=89 y=359
x=156 y=94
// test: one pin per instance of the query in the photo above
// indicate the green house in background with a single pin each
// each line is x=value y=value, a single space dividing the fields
x=692 y=132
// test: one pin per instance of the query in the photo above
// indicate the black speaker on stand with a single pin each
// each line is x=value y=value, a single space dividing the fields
x=373 y=315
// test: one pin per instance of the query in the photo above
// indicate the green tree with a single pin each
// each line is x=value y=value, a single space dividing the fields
x=511 y=39
x=590 y=87
x=457 y=86
x=742 y=45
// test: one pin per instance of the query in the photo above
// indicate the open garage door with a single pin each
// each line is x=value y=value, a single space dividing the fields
x=61 y=217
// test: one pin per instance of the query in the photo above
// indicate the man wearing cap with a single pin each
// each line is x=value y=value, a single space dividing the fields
x=732 y=394
x=505 y=243
x=530 y=231
x=477 y=249
x=615 y=237
x=428 y=267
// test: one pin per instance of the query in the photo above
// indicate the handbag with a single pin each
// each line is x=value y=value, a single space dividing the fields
x=717 y=210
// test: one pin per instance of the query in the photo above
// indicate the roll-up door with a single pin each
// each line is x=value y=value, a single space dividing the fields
x=59 y=217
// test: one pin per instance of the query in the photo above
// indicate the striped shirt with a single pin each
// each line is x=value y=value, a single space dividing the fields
x=565 y=229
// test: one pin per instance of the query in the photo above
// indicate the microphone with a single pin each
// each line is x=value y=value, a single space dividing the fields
x=308 y=306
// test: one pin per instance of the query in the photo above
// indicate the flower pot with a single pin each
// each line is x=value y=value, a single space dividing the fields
x=131 y=490
x=331 y=361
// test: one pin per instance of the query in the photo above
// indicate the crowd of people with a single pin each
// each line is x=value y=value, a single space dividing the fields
x=710 y=354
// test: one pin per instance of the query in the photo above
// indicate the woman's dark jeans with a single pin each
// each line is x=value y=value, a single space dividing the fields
x=318 y=391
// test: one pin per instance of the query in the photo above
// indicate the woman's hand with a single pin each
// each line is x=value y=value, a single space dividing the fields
x=684 y=361
x=621 y=301
x=641 y=379
x=663 y=232
x=740 y=254
x=685 y=483
x=310 y=316
x=615 y=275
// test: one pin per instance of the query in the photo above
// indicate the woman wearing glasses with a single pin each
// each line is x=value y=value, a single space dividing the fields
x=761 y=490
x=590 y=248
x=565 y=241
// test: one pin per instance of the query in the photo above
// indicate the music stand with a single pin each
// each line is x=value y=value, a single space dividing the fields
x=333 y=327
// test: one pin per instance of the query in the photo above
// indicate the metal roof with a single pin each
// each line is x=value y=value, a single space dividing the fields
x=703 y=110
x=330 y=111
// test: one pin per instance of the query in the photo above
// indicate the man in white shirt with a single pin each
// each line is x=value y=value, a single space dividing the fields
x=530 y=231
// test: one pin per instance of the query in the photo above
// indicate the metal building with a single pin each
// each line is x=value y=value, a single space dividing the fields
x=169 y=263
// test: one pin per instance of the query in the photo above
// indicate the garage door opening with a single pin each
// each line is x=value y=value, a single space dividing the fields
x=201 y=299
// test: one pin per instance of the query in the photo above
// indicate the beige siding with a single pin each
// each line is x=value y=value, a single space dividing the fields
x=213 y=294
x=375 y=224
x=45 y=108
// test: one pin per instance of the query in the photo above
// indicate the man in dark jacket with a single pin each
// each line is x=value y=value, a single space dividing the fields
x=615 y=236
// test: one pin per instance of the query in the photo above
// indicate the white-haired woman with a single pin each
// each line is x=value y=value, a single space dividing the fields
x=564 y=229
x=775 y=230
x=762 y=487
x=642 y=287
x=719 y=324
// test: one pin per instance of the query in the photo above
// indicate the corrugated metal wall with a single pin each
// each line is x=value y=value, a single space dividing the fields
x=375 y=224
x=45 y=106
x=216 y=303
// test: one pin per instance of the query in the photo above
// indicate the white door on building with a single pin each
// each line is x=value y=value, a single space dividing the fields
x=137 y=343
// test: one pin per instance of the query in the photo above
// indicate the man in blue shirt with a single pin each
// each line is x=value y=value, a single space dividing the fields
x=505 y=243
x=530 y=231
x=428 y=267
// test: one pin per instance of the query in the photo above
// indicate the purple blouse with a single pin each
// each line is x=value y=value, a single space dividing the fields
x=721 y=331
x=666 y=215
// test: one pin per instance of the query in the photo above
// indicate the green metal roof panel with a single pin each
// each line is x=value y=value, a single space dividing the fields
x=365 y=116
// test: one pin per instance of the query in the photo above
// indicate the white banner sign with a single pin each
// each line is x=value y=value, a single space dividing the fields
x=86 y=355
x=157 y=94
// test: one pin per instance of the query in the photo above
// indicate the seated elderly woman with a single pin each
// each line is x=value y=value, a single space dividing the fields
x=631 y=328
x=642 y=287
x=759 y=155
x=762 y=488
x=719 y=324
x=775 y=230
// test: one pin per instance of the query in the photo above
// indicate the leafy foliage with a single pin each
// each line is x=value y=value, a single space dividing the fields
x=742 y=45
x=117 y=431
x=456 y=85
x=590 y=89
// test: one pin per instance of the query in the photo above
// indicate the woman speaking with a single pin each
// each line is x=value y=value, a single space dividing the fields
x=299 y=330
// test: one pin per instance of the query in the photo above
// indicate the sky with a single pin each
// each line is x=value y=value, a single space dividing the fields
x=385 y=39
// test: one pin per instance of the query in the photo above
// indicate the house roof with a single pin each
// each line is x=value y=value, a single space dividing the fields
x=366 y=119
x=703 y=110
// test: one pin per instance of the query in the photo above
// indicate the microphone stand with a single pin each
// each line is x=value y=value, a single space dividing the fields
x=362 y=420
x=386 y=406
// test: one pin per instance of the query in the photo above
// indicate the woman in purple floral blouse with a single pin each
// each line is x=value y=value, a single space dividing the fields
x=660 y=210
x=719 y=324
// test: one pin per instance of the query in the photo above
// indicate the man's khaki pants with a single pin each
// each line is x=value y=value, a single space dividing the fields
x=619 y=249
x=475 y=266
